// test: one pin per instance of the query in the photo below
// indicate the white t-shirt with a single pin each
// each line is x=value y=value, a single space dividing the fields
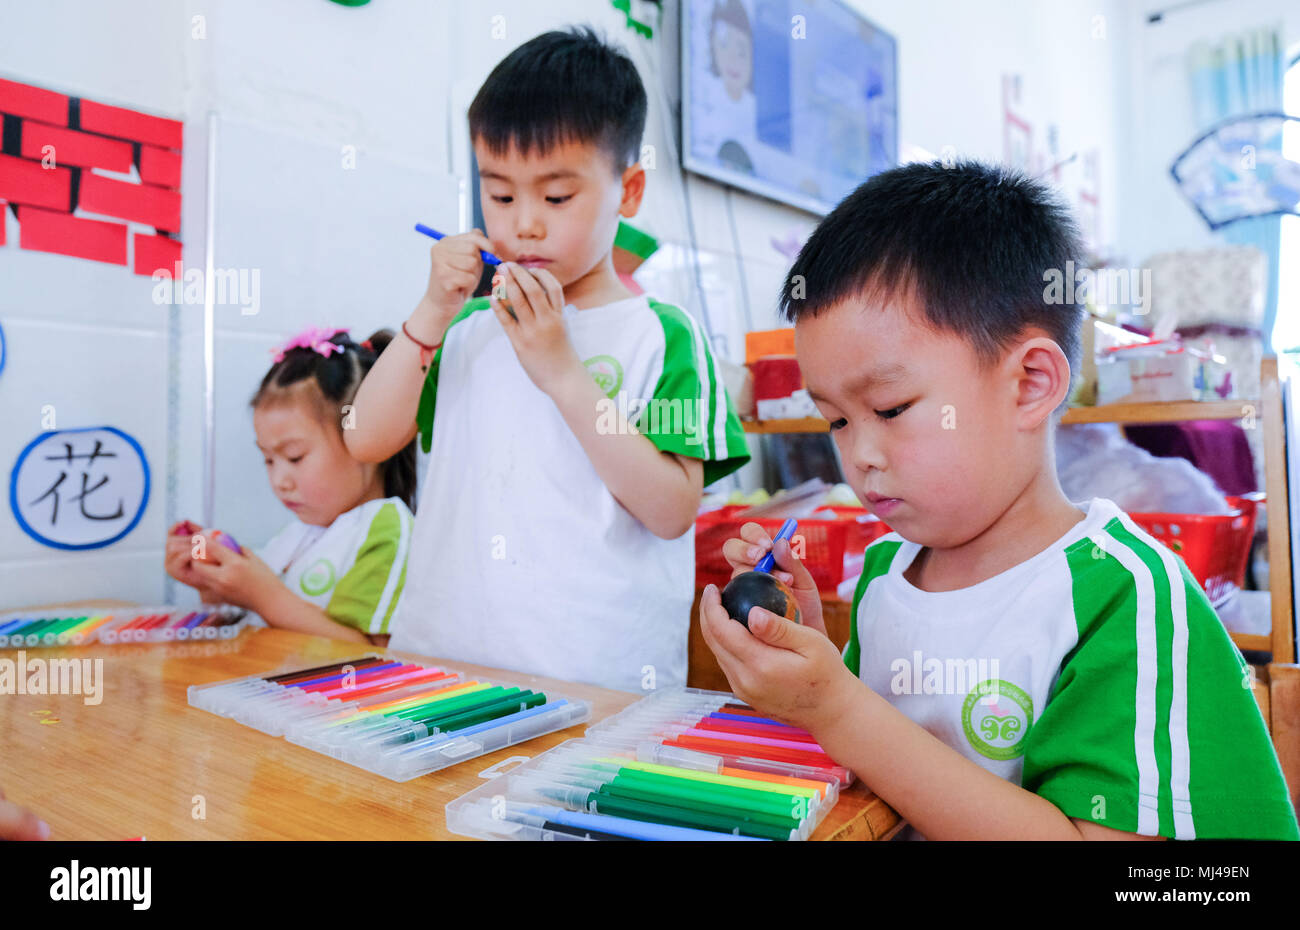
x=354 y=569
x=1081 y=675
x=521 y=557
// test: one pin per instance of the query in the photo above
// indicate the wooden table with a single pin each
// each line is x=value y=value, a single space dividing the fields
x=145 y=763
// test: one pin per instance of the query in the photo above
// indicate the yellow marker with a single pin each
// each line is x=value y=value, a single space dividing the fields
x=710 y=777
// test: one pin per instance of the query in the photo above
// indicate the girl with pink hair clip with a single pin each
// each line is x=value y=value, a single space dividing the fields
x=337 y=569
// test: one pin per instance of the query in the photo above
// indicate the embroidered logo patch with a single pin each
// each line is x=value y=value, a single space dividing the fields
x=996 y=716
x=318 y=579
x=606 y=372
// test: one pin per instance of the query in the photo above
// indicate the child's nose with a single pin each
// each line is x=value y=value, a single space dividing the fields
x=867 y=454
x=528 y=224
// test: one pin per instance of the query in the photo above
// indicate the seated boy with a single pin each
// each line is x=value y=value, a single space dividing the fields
x=552 y=536
x=1019 y=666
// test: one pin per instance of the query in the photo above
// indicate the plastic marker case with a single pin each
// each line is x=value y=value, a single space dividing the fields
x=716 y=722
x=80 y=625
x=624 y=780
x=395 y=718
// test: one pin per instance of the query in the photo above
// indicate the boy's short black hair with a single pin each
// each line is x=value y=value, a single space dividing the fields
x=562 y=86
x=973 y=240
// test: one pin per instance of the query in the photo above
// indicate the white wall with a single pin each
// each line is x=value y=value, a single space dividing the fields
x=1158 y=124
x=294 y=83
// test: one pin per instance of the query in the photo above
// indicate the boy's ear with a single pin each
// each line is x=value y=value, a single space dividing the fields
x=633 y=189
x=1042 y=375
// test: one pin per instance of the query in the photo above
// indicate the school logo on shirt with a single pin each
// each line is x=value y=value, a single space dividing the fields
x=606 y=372
x=318 y=579
x=996 y=716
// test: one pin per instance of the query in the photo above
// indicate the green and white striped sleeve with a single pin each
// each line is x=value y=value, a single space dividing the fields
x=367 y=594
x=1151 y=727
x=875 y=562
x=429 y=390
x=691 y=414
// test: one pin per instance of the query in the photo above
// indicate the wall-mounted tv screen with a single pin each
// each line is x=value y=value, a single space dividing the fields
x=796 y=100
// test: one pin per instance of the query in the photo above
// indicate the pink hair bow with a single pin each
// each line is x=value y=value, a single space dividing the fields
x=315 y=338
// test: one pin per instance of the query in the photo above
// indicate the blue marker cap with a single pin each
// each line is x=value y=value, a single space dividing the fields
x=768 y=562
x=432 y=233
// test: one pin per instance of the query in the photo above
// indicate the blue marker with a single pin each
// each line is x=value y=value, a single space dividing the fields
x=634 y=829
x=768 y=562
x=432 y=233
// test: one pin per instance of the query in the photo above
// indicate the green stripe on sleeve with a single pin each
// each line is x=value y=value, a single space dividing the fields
x=429 y=392
x=1131 y=718
x=359 y=595
x=690 y=413
x=876 y=561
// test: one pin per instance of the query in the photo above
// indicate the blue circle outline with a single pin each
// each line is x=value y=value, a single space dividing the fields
x=13 y=489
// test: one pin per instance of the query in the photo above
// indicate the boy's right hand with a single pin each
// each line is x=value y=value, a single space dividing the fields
x=455 y=268
x=744 y=553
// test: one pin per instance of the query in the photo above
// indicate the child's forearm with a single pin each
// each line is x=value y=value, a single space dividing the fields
x=284 y=610
x=383 y=411
x=944 y=795
x=655 y=487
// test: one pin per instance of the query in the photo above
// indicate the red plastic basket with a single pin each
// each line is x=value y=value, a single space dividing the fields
x=826 y=540
x=1215 y=548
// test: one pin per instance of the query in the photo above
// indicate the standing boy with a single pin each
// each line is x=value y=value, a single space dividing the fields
x=552 y=536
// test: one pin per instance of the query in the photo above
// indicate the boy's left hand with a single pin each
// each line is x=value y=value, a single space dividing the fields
x=537 y=329
x=230 y=577
x=786 y=670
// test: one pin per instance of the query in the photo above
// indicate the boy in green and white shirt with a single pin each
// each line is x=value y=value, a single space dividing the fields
x=1019 y=666
x=570 y=424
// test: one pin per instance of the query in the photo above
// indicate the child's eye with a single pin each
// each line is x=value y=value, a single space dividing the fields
x=892 y=412
x=503 y=199
x=839 y=424
x=296 y=460
x=559 y=199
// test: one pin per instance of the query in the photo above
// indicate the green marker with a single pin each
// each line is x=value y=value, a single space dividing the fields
x=51 y=633
x=686 y=799
x=602 y=803
x=789 y=807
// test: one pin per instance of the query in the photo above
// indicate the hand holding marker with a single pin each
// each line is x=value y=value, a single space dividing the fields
x=498 y=290
x=759 y=588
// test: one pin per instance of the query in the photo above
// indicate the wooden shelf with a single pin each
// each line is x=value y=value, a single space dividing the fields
x=804 y=425
x=1162 y=411
x=1256 y=641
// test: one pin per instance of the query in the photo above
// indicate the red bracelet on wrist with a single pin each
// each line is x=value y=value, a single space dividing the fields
x=426 y=350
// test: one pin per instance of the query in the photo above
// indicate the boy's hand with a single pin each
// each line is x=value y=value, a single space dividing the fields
x=537 y=328
x=781 y=668
x=744 y=553
x=229 y=577
x=455 y=267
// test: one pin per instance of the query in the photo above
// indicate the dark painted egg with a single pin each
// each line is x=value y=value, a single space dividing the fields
x=758 y=589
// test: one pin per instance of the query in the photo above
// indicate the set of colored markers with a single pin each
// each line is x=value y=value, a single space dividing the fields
x=625 y=780
x=715 y=722
x=394 y=718
x=120 y=625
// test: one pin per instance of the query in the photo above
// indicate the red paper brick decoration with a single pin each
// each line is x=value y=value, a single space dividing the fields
x=52 y=146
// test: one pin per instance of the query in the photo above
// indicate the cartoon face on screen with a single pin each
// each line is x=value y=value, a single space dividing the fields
x=731 y=43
